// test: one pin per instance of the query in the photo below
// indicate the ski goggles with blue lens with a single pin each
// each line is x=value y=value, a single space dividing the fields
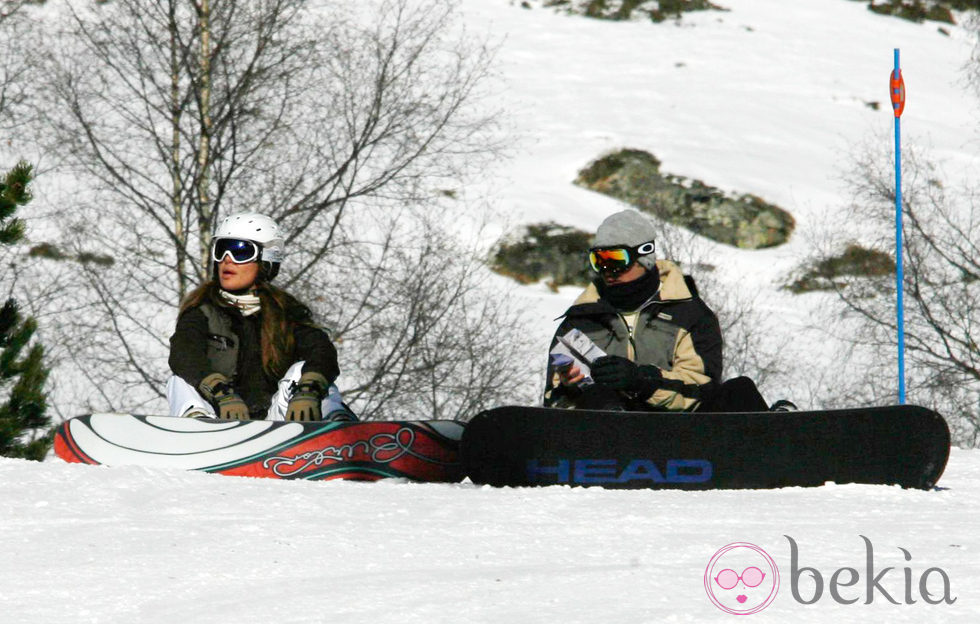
x=619 y=259
x=241 y=251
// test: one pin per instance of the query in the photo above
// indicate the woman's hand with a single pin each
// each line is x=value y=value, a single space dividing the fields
x=304 y=404
x=232 y=407
x=217 y=389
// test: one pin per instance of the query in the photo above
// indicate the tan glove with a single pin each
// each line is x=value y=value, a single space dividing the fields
x=304 y=405
x=217 y=389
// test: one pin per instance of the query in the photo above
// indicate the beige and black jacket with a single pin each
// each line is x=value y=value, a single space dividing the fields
x=674 y=331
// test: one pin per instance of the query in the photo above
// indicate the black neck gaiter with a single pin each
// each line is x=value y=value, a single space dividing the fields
x=631 y=295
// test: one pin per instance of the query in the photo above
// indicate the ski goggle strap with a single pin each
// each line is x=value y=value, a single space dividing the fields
x=617 y=259
x=241 y=251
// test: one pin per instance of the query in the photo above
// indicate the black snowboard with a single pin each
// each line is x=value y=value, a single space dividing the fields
x=516 y=446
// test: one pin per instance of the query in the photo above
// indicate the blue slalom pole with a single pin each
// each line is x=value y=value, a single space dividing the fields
x=897 y=91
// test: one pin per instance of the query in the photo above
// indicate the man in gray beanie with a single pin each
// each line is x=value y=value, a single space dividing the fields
x=627 y=227
x=662 y=343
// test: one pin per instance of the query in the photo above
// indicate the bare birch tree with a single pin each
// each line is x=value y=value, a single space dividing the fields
x=348 y=125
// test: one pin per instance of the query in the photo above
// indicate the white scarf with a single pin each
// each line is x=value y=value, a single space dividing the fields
x=248 y=303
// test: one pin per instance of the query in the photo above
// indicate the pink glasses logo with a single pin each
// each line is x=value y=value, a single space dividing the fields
x=741 y=579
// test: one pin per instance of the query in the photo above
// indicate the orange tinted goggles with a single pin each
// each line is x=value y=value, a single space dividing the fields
x=617 y=259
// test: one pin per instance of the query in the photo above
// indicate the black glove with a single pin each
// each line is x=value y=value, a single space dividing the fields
x=619 y=373
x=217 y=389
x=304 y=405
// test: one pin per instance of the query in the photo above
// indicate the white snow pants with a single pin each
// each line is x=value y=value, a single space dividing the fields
x=184 y=398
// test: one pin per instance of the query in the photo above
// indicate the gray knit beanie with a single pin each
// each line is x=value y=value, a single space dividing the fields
x=629 y=228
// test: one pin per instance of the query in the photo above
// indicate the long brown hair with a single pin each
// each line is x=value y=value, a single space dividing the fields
x=278 y=344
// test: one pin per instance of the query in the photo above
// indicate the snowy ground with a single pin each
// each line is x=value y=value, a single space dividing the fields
x=761 y=99
x=94 y=544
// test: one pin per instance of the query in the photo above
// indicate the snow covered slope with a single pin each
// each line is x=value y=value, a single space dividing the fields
x=95 y=544
x=764 y=98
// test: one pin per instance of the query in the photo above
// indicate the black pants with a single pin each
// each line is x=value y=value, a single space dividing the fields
x=735 y=395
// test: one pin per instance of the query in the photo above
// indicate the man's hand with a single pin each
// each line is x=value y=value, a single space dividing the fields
x=625 y=375
x=570 y=376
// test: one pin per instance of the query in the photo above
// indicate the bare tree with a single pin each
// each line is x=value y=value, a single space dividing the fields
x=941 y=287
x=14 y=63
x=348 y=126
x=432 y=337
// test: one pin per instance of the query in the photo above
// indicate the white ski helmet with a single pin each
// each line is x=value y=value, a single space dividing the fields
x=257 y=228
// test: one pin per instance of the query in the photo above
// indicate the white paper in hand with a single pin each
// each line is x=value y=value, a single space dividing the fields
x=581 y=349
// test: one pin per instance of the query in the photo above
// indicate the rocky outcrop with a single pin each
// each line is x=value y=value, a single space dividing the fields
x=743 y=221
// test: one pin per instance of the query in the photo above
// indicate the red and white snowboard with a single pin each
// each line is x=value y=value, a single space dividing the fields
x=368 y=451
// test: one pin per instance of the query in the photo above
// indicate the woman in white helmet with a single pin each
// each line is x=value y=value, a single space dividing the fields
x=245 y=349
